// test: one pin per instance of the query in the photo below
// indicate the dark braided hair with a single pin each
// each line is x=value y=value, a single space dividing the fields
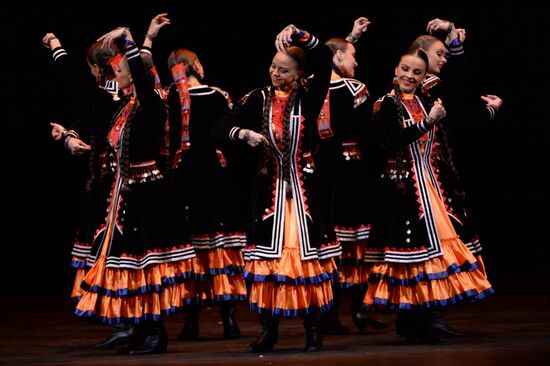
x=298 y=55
x=266 y=156
x=400 y=156
x=265 y=165
x=286 y=134
x=92 y=165
x=124 y=144
x=397 y=99
x=125 y=155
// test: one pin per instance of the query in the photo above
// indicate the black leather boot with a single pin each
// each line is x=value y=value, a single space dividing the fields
x=405 y=326
x=190 y=330
x=270 y=334
x=153 y=339
x=118 y=338
x=329 y=321
x=363 y=318
x=314 y=336
x=415 y=327
x=438 y=326
x=230 y=328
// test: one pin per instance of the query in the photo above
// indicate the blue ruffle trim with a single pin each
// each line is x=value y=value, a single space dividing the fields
x=138 y=320
x=230 y=270
x=223 y=298
x=347 y=285
x=288 y=313
x=465 y=297
x=325 y=276
x=75 y=299
x=79 y=264
x=143 y=289
x=423 y=276
x=118 y=320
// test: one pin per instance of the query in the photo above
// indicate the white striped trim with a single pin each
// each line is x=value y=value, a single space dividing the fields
x=457 y=50
x=132 y=53
x=420 y=176
x=81 y=251
x=219 y=241
x=352 y=235
x=422 y=126
x=111 y=86
x=372 y=257
x=201 y=90
x=273 y=249
x=474 y=247
x=58 y=53
x=151 y=258
x=330 y=251
x=234 y=133
x=147 y=51
x=312 y=43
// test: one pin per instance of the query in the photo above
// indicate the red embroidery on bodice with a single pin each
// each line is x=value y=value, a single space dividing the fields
x=277 y=117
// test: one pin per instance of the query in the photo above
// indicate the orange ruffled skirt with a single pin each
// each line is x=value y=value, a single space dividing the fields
x=133 y=295
x=454 y=277
x=289 y=286
x=223 y=279
x=113 y=295
x=352 y=270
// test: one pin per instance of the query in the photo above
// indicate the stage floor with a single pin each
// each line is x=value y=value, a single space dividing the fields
x=509 y=328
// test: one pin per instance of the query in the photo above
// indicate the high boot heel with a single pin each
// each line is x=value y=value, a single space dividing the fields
x=314 y=336
x=406 y=326
x=415 y=327
x=190 y=330
x=118 y=338
x=230 y=328
x=155 y=340
x=269 y=336
x=439 y=326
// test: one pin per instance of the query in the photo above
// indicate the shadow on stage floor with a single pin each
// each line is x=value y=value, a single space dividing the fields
x=511 y=327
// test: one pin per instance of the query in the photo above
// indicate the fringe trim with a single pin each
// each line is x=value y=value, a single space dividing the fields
x=351 y=150
x=144 y=172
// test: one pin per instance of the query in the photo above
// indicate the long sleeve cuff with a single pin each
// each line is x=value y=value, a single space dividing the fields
x=423 y=126
x=58 y=52
x=306 y=39
x=234 y=133
x=131 y=52
x=456 y=49
x=146 y=50
x=492 y=112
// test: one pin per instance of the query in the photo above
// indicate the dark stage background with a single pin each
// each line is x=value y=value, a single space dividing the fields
x=503 y=165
